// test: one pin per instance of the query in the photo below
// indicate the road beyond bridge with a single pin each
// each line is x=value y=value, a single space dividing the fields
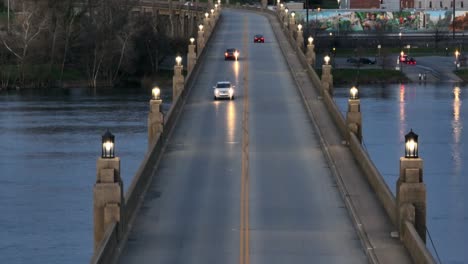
x=247 y=180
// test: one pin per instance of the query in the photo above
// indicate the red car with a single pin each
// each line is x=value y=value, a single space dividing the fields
x=259 y=39
x=406 y=60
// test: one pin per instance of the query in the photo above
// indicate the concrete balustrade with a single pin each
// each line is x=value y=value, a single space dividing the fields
x=409 y=213
x=113 y=212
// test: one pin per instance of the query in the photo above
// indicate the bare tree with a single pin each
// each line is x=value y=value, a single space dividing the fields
x=24 y=33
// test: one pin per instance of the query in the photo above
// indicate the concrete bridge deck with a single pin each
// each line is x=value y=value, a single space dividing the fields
x=248 y=180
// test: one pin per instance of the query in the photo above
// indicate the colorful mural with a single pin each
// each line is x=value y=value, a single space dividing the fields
x=357 y=21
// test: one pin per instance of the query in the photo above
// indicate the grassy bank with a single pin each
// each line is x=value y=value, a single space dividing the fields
x=366 y=76
x=463 y=74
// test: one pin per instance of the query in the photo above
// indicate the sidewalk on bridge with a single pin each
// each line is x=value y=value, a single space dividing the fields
x=371 y=221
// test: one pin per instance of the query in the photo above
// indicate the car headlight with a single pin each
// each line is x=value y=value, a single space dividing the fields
x=216 y=92
x=231 y=91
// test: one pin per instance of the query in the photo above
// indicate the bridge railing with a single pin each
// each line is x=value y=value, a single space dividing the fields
x=116 y=234
x=409 y=236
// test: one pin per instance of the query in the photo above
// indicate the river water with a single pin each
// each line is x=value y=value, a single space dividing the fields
x=50 y=141
x=49 y=144
x=438 y=113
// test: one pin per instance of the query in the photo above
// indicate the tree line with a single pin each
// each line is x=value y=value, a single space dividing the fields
x=47 y=42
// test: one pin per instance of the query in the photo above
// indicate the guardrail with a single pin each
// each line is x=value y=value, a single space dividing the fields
x=117 y=233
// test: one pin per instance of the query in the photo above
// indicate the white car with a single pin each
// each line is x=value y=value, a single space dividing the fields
x=223 y=89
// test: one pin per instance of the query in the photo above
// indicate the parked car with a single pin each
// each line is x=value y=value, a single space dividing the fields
x=223 y=89
x=231 y=54
x=360 y=61
x=259 y=39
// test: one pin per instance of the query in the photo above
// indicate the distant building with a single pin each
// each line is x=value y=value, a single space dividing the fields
x=422 y=4
x=364 y=4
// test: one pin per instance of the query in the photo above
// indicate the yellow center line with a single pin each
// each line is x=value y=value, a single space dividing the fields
x=244 y=210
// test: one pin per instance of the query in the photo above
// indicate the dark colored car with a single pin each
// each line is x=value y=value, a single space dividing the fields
x=259 y=38
x=366 y=61
x=360 y=61
x=231 y=54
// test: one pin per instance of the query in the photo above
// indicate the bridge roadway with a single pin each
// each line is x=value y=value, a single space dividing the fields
x=245 y=180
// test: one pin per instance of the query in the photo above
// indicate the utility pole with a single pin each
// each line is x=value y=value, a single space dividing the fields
x=307 y=17
x=8 y=15
x=453 y=21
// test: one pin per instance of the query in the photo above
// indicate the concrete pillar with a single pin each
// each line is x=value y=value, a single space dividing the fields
x=286 y=19
x=411 y=192
x=354 y=118
x=177 y=81
x=107 y=198
x=327 y=79
x=292 y=23
x=264 y=4
x=155 y=121
x=200 y=39
x=191 y=57
x=300 y=39
x=310 y=55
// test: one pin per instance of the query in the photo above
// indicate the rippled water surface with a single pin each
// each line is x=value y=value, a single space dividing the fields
x=438 y=113
x=49 y=144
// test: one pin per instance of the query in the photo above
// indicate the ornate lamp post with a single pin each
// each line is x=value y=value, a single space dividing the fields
x=107 y=191
x=411 y=190
x=310 y=52
x=200 y=39
x=300 y=37
x=108 y=145
x=178 y=79
x=155 y=117
x=353 y=116
x=191 y=56
x=327 y=78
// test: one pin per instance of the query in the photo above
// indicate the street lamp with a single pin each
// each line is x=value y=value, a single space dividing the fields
x=411 y=145
x=326 y=59
x=293 y=14
x=178 y=60
x=216 y=6
x=200 y=27
x=299 y=27
x=108 y=144
x=378 y=48
x=354 y=93
x=192 y=40
x=207 y=15
x=310 y=40
x=156 y=93
x=212 y=11
x=400 y=34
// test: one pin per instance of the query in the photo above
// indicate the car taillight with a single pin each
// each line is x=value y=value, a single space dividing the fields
x=262 y=38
